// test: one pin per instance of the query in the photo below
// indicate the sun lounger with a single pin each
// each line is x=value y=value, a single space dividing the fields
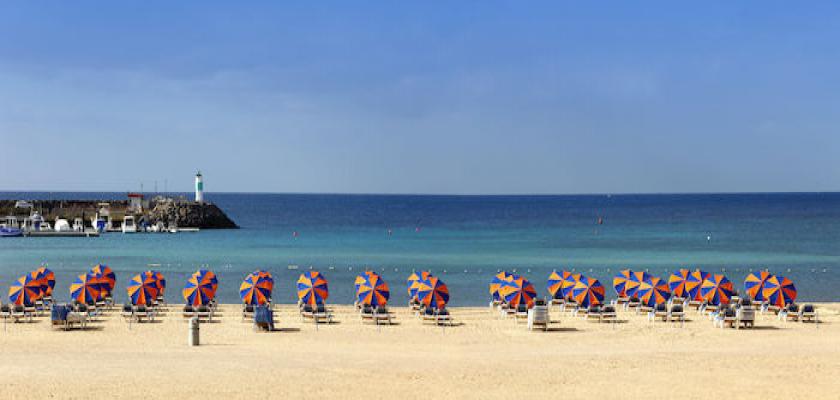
x=658 y=312
x=633 y=302
x=380 y=313
x=127 y=312
x=142 y=312
x=808 y=313
x=188 y=312
x=620 y=301
x=19 y=313
x=521 y=312
x=263 y=318
x=442 y=317
x=306 y=312
x=64 y=316
x=725 y=316
x=676 y=313
x=247 y=312
x=608 y=314
x=428 y=314
x=366 y=313
x=5 y=312
x=204 y=313
x=789 y=313
x=643 y=309
x=592 y=313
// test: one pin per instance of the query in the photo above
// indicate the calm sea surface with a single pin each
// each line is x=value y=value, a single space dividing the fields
x=464 y=240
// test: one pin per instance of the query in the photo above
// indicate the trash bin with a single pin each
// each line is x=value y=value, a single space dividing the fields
x=193 y=334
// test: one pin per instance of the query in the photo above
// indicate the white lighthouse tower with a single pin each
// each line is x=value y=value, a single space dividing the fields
x=199 y=188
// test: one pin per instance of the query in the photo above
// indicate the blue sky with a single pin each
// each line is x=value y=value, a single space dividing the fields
x=423 y=97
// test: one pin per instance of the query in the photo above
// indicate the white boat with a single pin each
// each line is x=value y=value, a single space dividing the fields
x=61 y=225
x=128 y=225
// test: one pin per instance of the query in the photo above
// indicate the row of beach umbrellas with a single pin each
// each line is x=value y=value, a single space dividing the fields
x=427 y=289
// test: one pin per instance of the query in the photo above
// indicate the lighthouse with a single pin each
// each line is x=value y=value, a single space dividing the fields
x=199 y=188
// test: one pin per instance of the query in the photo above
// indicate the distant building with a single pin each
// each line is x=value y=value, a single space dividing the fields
x=135 y=202
x=199 y=187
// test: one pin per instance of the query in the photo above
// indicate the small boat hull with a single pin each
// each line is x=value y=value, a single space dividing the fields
x=10 y=232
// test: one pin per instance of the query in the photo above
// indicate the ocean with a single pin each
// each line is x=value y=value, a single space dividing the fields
x=464 y=240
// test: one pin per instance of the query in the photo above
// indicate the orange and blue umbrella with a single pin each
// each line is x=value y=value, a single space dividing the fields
x=693 y=284
x=653 y=291
x=502 y=278
x=518 y=291
x=588 y=292
x=312 y=288
x=555 y=282
x=256 y=288
x=24 y=291
x=160 y=281
x=86 y=289
x=779 y=291
x=47 y=280
x=432 y=292
x=107 y=278
x=413 y=282
x=200 y=288
x=716 y=289
x=620 y=282
x=142 y=289
x=634 y=282
x=570 y=279
x=39 y=282
x=373 y=290
x=677 y=283
x=754 y=284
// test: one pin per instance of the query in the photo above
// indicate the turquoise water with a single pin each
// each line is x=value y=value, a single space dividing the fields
x=464 y=240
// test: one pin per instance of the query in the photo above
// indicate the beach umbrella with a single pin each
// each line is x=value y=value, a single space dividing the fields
x=106 y=276
x=620 y=282
x=779 y=291
x=653 y=291
x=373 y=290
x=38 y=282
x=518 y=291
x=312 y=288
x=86 y=289
x=142 y=289
x=588 y=292
x=200 y=288
x=754 y=285
x=160 y=281
x=265 y=276
x=677 y=283
x=498 y=280
x=413 y=280
x=570 y=279
x=633 y=283
x=24 y=291
x=432 y=292
x=693 y=282
x=555 y=282
x=716 y=289
x=47 y=280
x=256 y=288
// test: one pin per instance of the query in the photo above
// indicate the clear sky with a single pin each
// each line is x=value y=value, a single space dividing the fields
x=421 y=97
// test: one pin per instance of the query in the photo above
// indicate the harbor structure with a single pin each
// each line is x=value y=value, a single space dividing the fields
x=199 y=187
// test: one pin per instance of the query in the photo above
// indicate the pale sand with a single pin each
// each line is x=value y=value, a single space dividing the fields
x=486 y=357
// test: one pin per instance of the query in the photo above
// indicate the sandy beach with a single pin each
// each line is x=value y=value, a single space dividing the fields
x=482 y=357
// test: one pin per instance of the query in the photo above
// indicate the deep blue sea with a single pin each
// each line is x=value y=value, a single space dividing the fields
x=464 y=240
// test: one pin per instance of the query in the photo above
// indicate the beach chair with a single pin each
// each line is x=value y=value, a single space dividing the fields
x=620 y=301
x=322 y=314
x=18 y=313
x=659 y=311
x=676 y=313
x=644 y=309
x=247 y=312
x=808 y=313
x=366 y=313
x=380 y=313
x=30 y=310
x=428 y=315
x=557 y=301
x=789 y=313
x=127 y=312
x=592 y=313
x=608 y=314
x=142 y=312
x=5 y=312
x=538 y=317
x=414 y=305
x=306 y=312
x=521 y=312
x=204 y=313
x=188 y=312
x=442 y=317
x=632 y=303
x=263 y=318
x=725 y=316
x=745 y=316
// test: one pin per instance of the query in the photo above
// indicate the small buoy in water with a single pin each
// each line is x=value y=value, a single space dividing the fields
x=465 y=271
x=590 y=269
x=529 y=270
x=349 y=268
x=825 y=270
x=331 y=268
x=390 y=232
x=444 y=271
x=396 y=269
x=723 y=269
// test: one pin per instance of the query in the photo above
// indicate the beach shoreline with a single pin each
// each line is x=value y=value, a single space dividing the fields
x=483 y=356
